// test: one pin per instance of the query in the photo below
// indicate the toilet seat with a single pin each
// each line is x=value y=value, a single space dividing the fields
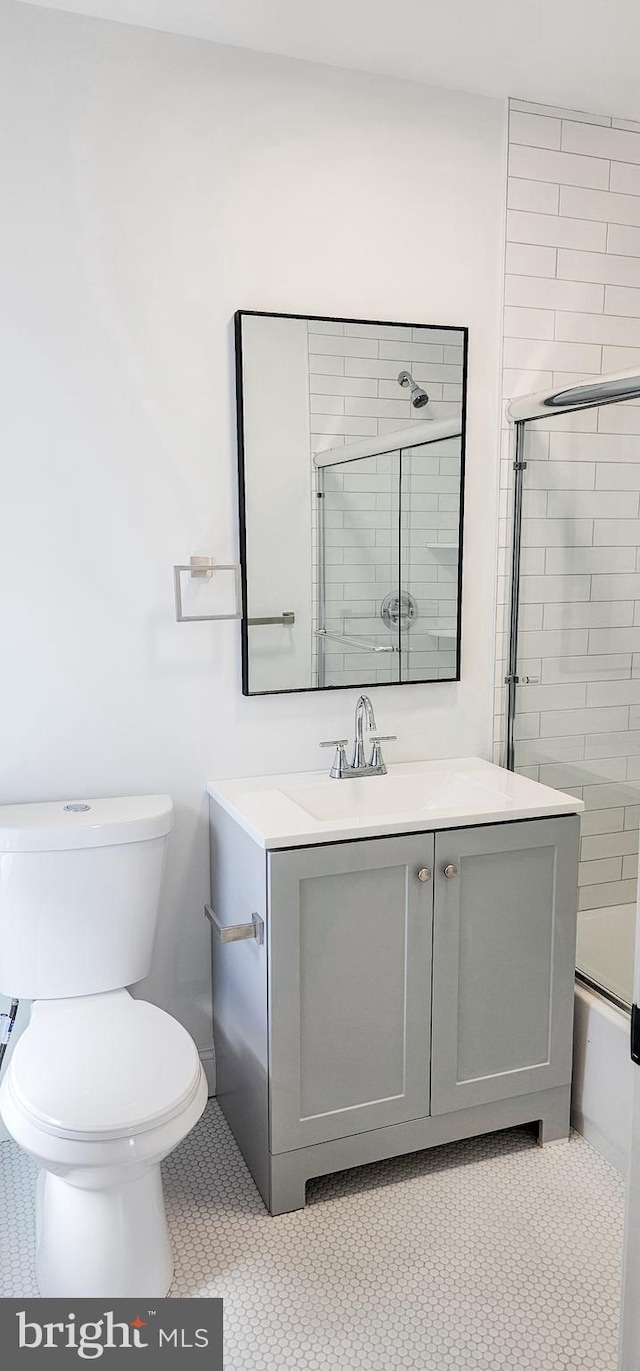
x=102 y=1067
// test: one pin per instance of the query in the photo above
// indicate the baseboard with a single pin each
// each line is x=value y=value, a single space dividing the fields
x=608 y=1147
x=207 y=1057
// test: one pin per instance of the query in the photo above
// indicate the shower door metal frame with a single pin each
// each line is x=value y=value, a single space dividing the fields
x=511 y=678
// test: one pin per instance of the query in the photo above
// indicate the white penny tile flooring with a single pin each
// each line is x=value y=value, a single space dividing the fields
x=491 y=1255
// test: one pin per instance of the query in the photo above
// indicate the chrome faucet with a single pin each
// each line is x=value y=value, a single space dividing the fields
x=342 y=769
x=364 y=710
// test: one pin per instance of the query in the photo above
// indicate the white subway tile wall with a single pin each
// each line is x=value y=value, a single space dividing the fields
x=365 y=511
x=572 y=309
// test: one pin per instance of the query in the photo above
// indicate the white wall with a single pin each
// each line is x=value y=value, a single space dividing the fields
x=152 y=185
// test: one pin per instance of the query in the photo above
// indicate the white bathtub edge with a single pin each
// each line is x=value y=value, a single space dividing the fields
x=602 y=1076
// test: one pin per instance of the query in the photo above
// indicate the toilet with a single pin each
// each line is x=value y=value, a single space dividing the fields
x=100 y=1086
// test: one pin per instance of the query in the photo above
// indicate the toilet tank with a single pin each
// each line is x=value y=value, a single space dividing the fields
x=79 y=894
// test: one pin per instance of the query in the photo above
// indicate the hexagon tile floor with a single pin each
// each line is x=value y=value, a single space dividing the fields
x=487 y=1255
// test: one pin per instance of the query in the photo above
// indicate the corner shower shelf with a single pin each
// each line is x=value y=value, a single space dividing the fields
x=439 y=547
x=441 y=632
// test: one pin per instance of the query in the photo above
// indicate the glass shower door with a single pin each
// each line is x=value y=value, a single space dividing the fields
x=576 y=715
x=573 y=688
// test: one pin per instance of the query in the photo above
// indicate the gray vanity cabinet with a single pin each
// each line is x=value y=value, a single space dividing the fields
x=392 y=1007
x=504 y=959
x=349 y=956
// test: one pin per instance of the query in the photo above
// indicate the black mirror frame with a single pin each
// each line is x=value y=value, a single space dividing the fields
x=339 y=319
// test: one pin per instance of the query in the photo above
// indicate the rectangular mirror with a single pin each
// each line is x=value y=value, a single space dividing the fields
x=351 y=442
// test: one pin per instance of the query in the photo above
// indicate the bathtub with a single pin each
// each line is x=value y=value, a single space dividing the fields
x=602 y=1075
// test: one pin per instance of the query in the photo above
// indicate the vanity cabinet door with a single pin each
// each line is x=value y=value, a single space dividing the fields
x=503 y=960
x=349 y=951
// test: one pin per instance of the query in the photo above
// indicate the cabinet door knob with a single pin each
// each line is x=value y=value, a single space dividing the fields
x=450 y=871
x=424 y=873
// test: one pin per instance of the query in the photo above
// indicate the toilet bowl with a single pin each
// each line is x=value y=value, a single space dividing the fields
x=101 y=1086
x=99 y=1090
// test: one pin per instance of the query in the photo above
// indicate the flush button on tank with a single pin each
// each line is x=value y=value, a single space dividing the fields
x=76 y=809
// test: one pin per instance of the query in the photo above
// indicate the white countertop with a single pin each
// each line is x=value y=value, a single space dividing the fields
x=264 y=805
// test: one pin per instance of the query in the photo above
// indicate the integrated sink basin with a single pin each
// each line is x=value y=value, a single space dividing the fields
x=395 y=794
x=312 y=807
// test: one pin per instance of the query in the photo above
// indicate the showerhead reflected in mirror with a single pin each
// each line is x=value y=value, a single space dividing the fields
x=418 y=396
x=351 y=463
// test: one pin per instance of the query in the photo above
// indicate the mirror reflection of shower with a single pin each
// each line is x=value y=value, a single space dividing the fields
x=387 y=549
x=418 y=396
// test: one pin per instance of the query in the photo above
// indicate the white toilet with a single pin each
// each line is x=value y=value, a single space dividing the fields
x=100 y=1086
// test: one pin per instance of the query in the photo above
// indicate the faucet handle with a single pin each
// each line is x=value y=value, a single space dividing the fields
x=376 y=759
x=340 y=763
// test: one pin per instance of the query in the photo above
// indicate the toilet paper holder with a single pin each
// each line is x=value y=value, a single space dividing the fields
x=235 y=933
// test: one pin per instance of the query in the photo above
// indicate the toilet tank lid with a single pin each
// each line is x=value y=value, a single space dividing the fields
x=54 y=825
